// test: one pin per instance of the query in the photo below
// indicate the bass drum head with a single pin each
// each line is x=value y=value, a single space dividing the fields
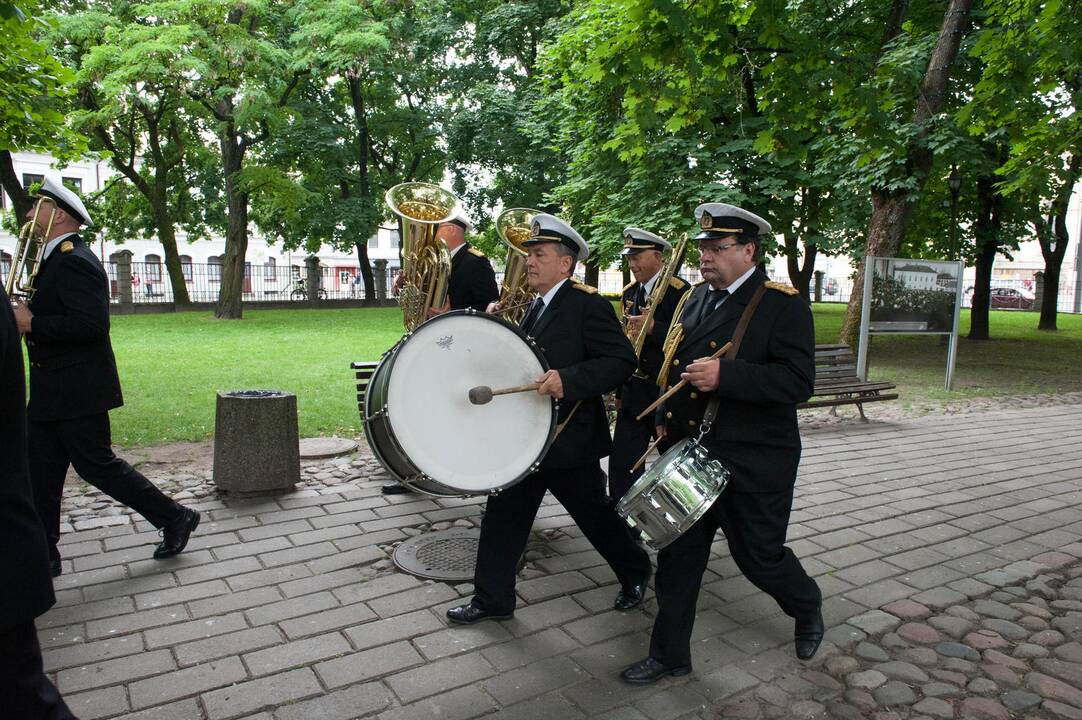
x=472 y=449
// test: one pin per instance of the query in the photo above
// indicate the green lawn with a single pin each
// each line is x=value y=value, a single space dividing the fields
x=172 y=365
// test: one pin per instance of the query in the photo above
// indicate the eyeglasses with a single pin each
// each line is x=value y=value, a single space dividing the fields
x=716 y=249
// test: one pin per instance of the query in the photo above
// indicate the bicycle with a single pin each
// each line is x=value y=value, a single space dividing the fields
x=300 y=291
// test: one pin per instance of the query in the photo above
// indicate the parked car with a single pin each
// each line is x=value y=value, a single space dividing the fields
x=1011 y=299
x=831 y=287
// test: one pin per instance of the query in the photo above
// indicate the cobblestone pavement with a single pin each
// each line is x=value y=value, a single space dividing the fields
x=947 y=548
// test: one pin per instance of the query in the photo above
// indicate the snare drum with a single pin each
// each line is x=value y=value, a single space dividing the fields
x=674 y=493
x=423 y=428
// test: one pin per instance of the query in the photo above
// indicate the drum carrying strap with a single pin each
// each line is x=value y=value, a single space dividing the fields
x=738 y=337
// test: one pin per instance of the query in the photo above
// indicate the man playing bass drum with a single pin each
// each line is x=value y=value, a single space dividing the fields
x=631 y=437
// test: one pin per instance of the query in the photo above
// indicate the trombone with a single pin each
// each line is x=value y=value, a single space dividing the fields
x=513 y=227
x=668 y=271
x=30 y=250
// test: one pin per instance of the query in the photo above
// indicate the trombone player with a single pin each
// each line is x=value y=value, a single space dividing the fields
x=631 y=437
x=74 y=382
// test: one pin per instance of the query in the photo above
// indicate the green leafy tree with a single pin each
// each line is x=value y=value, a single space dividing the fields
x=33 y=85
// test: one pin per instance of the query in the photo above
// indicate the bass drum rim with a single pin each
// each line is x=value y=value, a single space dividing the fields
x=378 y=388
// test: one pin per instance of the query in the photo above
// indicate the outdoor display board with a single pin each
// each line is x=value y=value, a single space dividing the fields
x=903 y=295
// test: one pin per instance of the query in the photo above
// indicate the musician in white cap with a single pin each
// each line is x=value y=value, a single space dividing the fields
x=471 y=284
x=74 y=384
x=644 y=252
x=588 y=354
x=754 y=433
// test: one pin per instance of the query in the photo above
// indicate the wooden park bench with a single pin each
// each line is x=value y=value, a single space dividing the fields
x=837 y=383
x=363 y=372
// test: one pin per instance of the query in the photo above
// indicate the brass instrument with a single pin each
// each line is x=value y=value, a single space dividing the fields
x=30 y=251
x=668 y=271
x=426 y=263
x=513 y=227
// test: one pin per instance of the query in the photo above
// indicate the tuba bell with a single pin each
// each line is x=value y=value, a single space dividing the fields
x=30 y=250
x=426 y=263
x=513 y=227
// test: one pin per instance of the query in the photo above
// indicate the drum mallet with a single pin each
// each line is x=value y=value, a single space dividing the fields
x=675 y=388
x=483 y=393
x=646 y=454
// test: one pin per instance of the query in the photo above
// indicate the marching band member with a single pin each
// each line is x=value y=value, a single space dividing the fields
x=589 y=355
x=755 y=434
x=26 y=590
x=631 y=437
x=74 y=384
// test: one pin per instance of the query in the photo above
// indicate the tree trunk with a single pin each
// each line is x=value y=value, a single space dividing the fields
x=168 y=237
x=591 y=274
x=986 y=228
x=891 y=209
x=1054 y=240
x=366 y=270
x=13 y=186
x=800 y=274
x=230 y=295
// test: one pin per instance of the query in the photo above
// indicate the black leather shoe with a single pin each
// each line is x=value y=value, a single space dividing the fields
x=631 y=596
x=394 y=489
x=809 y=633
x=650 y=670
x=175 y=536
x=54 y=567
x=469 y=614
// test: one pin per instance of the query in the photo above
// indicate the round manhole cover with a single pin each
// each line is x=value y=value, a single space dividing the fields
x=446 y=555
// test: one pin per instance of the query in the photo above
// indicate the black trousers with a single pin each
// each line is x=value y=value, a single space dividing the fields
x=26 y=692
x=629 y=441
x=86 y=444
x=509 y=516
x=754 y=525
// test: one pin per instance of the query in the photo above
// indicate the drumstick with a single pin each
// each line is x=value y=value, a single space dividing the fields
x=649 y=450
x=483 y=393
x=672 y=391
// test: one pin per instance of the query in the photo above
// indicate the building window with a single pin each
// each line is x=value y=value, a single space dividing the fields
x=186 y=267
x=270 y=271
x=296 y=271
x=5 y=265
x=373 y=242
x=153 y=268
x=214 y=269
x=31 y=179
x=74 y=184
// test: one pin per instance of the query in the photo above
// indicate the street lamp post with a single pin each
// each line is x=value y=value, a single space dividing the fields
x=954 y=182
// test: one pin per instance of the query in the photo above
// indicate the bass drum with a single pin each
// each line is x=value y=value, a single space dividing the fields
x=674 y=493
x=424 y=430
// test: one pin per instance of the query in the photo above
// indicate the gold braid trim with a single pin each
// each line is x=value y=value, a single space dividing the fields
x=672 y=341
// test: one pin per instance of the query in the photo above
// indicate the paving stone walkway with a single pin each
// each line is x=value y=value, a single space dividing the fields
x=944 y=546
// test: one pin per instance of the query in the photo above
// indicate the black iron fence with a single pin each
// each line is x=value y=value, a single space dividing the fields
x=150 y=284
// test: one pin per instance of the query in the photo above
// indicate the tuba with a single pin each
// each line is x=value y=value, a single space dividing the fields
x=426 y=264
x=513 y=227
x=30 y=250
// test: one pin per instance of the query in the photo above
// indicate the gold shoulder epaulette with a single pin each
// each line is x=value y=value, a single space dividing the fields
x=701 y=282
x=475 y=251
x=781 y=287
x=67 y=246
x=628 y=286
x=678 y=283
x=588 y=289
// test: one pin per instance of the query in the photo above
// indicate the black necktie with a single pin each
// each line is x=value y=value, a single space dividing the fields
x=533 y=313
x=713 y=298
x=640 y=300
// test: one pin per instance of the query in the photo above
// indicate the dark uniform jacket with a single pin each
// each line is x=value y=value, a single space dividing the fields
x=26 y=586
x=472 y=283
x=582 y=339
x=72 y=367
x=755 y=432
x=637 y=393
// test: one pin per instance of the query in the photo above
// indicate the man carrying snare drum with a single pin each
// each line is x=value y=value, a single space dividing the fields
x=754 y=434
x=581 y=338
